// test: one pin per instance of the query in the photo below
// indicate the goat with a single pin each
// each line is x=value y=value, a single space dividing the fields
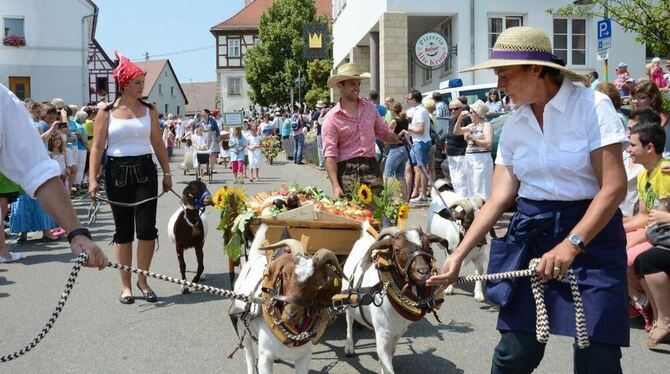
x=299 y=284
x=411 y=254
x=187 y=228
x=454 y=228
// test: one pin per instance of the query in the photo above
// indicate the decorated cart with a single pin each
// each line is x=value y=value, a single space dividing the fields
x=306 y=214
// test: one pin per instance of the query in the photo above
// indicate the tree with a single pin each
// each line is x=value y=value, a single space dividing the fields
x=650 y=19
x=272 y=65
x=318 y=72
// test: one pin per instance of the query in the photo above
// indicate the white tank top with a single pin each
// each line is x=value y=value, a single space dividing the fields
x=129 y=137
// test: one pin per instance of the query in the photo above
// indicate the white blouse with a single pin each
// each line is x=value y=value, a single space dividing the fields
x=555 y=164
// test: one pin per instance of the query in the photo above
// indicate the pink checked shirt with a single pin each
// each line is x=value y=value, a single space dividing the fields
x=345 y=137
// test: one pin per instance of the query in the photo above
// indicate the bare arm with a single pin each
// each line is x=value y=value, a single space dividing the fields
x=331 y=170
x=95 y=158
x=458 y=130
x=47 y=134
x=639 y=220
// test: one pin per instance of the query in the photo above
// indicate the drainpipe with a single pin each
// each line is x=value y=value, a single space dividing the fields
x=84 y=58
x=472 y=38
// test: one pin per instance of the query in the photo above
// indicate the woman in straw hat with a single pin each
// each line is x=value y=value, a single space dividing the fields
x=348 y=135
x=560 y=152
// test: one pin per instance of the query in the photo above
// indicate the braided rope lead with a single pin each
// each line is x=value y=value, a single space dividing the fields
x=542 y=319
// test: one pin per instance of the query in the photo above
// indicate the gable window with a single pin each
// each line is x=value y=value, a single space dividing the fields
x=234 y=86
x=498 y=24
x=570 y=40
x=233 y=47
x=172 y=91
x=14 y=32
x=160 y=89
x=178 y=106
x=166 y=108
x=102 y=85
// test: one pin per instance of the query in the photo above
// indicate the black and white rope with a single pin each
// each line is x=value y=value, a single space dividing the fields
x=95 y=204
x=537 y=287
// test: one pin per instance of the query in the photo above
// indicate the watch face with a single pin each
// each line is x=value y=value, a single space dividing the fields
x=575 y=239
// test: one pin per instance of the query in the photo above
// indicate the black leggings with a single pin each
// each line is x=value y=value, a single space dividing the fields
x=129 y=180
x=652 y=261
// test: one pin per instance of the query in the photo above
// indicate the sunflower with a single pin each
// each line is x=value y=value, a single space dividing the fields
x=223 y=195
x=403 y=211
x=219 y=197
x=364 y=194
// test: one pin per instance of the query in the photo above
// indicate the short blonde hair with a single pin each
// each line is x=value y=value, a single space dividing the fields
x=430 y=105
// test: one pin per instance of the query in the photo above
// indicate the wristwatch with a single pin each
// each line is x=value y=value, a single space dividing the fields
x=576 y=240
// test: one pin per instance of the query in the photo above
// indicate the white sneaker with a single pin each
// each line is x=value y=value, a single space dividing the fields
x=13 y=256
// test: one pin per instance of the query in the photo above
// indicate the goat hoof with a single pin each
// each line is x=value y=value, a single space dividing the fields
x=185 y=290
x=480 y=298
x=349 y=351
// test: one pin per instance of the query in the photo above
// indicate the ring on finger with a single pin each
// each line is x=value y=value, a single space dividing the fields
x=557 y=270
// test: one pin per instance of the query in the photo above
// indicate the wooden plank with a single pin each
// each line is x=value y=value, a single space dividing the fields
x=312 y=224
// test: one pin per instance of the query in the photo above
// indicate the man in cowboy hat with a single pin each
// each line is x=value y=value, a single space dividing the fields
x=348 y=133
x=560 y=153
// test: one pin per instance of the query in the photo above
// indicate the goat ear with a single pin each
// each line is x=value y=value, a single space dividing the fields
x=383 y=242
x=432 y=238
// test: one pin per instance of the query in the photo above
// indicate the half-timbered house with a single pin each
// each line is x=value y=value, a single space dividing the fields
x=101 y=84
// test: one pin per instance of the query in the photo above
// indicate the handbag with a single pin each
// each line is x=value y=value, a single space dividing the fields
x=659 y=235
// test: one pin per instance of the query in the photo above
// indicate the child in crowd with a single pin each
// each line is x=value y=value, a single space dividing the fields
x=224 y=155
x=255 y=153
x=238 y=147
x=58 y=152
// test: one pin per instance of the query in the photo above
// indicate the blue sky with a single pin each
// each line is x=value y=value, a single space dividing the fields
x=163 y=27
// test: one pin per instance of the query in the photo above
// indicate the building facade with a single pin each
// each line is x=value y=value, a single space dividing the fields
x=162 y=88
x=234 y=37
x=381 y=36
x=101 y=83
x=44 y=53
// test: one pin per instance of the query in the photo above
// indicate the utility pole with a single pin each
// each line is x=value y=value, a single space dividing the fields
x=606 y=16
x=146 y=55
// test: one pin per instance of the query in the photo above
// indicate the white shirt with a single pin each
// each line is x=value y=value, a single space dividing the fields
x=129 y=137
x=199 y=142
x=555 y=164
x=23 y=157
x=420 y=114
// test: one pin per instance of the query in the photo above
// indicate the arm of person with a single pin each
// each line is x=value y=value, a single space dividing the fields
x=97 y=149
x=641 y=219
x=160 y=150
x=47 y=134
x=416 y=128
x=331 y=169
x=658 y=216
x=502 y=197
x=487 y=141
x=609 y=170
x=392 y=126
x=458 y=129
x=54 y=200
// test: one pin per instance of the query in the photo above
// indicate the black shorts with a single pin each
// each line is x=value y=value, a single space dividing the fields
x=129 y=180
x=652 y=261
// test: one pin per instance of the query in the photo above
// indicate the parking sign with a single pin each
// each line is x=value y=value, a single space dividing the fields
x=604 y=36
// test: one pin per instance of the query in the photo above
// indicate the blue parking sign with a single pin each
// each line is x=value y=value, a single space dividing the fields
x=604 y=29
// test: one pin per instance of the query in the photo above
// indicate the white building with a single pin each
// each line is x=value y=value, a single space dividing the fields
x=380 y=35
x=53 y=62
x=162 y=88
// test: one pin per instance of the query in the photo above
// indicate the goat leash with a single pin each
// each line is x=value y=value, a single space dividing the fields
x=226 y=294
x=95 y=204
x=542 y=321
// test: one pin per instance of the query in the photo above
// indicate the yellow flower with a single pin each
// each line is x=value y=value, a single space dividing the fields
x=223 y=195
x=364 y=194
x=403 y=211
x=219 y=197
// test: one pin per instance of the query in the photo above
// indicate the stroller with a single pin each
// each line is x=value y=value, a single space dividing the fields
x=202 y=157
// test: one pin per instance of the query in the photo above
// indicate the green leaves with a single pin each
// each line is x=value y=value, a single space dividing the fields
x=650 y=19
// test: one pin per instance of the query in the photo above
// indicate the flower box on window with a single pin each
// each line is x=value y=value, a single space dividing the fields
x=14 y=40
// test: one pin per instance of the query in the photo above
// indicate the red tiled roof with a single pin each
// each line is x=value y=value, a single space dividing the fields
x=249 y=17
x=153 y=69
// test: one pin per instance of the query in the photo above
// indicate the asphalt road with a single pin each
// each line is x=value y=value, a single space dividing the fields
x=192 y=333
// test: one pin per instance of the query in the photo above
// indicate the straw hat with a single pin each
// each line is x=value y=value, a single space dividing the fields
x=524 y=46
x=320 y=104
x=347 y=72
x=455 y=103
x=480 y=108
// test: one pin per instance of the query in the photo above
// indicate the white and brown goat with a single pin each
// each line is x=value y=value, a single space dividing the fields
x=453 y=228
x=411 y=258
x=300 y=287
x=187 y=227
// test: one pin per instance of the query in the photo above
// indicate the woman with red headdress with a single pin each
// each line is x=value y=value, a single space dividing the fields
x=129 y=127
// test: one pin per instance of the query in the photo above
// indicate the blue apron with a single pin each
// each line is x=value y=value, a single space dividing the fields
x=600 y=273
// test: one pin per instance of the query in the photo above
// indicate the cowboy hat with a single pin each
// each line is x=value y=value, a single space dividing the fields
x=320 y=104
x=524 y=46
x=347 y=72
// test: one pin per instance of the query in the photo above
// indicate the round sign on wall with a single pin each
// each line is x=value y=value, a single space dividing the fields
x=431 y=49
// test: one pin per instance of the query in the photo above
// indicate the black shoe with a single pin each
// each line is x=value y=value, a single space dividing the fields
x=126 y=299
x=149 y=296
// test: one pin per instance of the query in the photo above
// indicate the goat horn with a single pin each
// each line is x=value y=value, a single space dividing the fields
x=295 y=247
x=326 y=256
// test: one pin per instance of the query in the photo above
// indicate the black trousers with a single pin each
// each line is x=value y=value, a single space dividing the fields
x=129 y=180
x=520 y=352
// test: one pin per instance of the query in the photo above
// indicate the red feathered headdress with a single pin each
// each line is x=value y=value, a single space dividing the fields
x=125 y=71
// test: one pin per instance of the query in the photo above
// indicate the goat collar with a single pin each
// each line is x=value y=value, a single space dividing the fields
x=200 y=201
x=411 y=305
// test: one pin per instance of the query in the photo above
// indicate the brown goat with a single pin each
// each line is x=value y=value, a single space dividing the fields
x=187 y=230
